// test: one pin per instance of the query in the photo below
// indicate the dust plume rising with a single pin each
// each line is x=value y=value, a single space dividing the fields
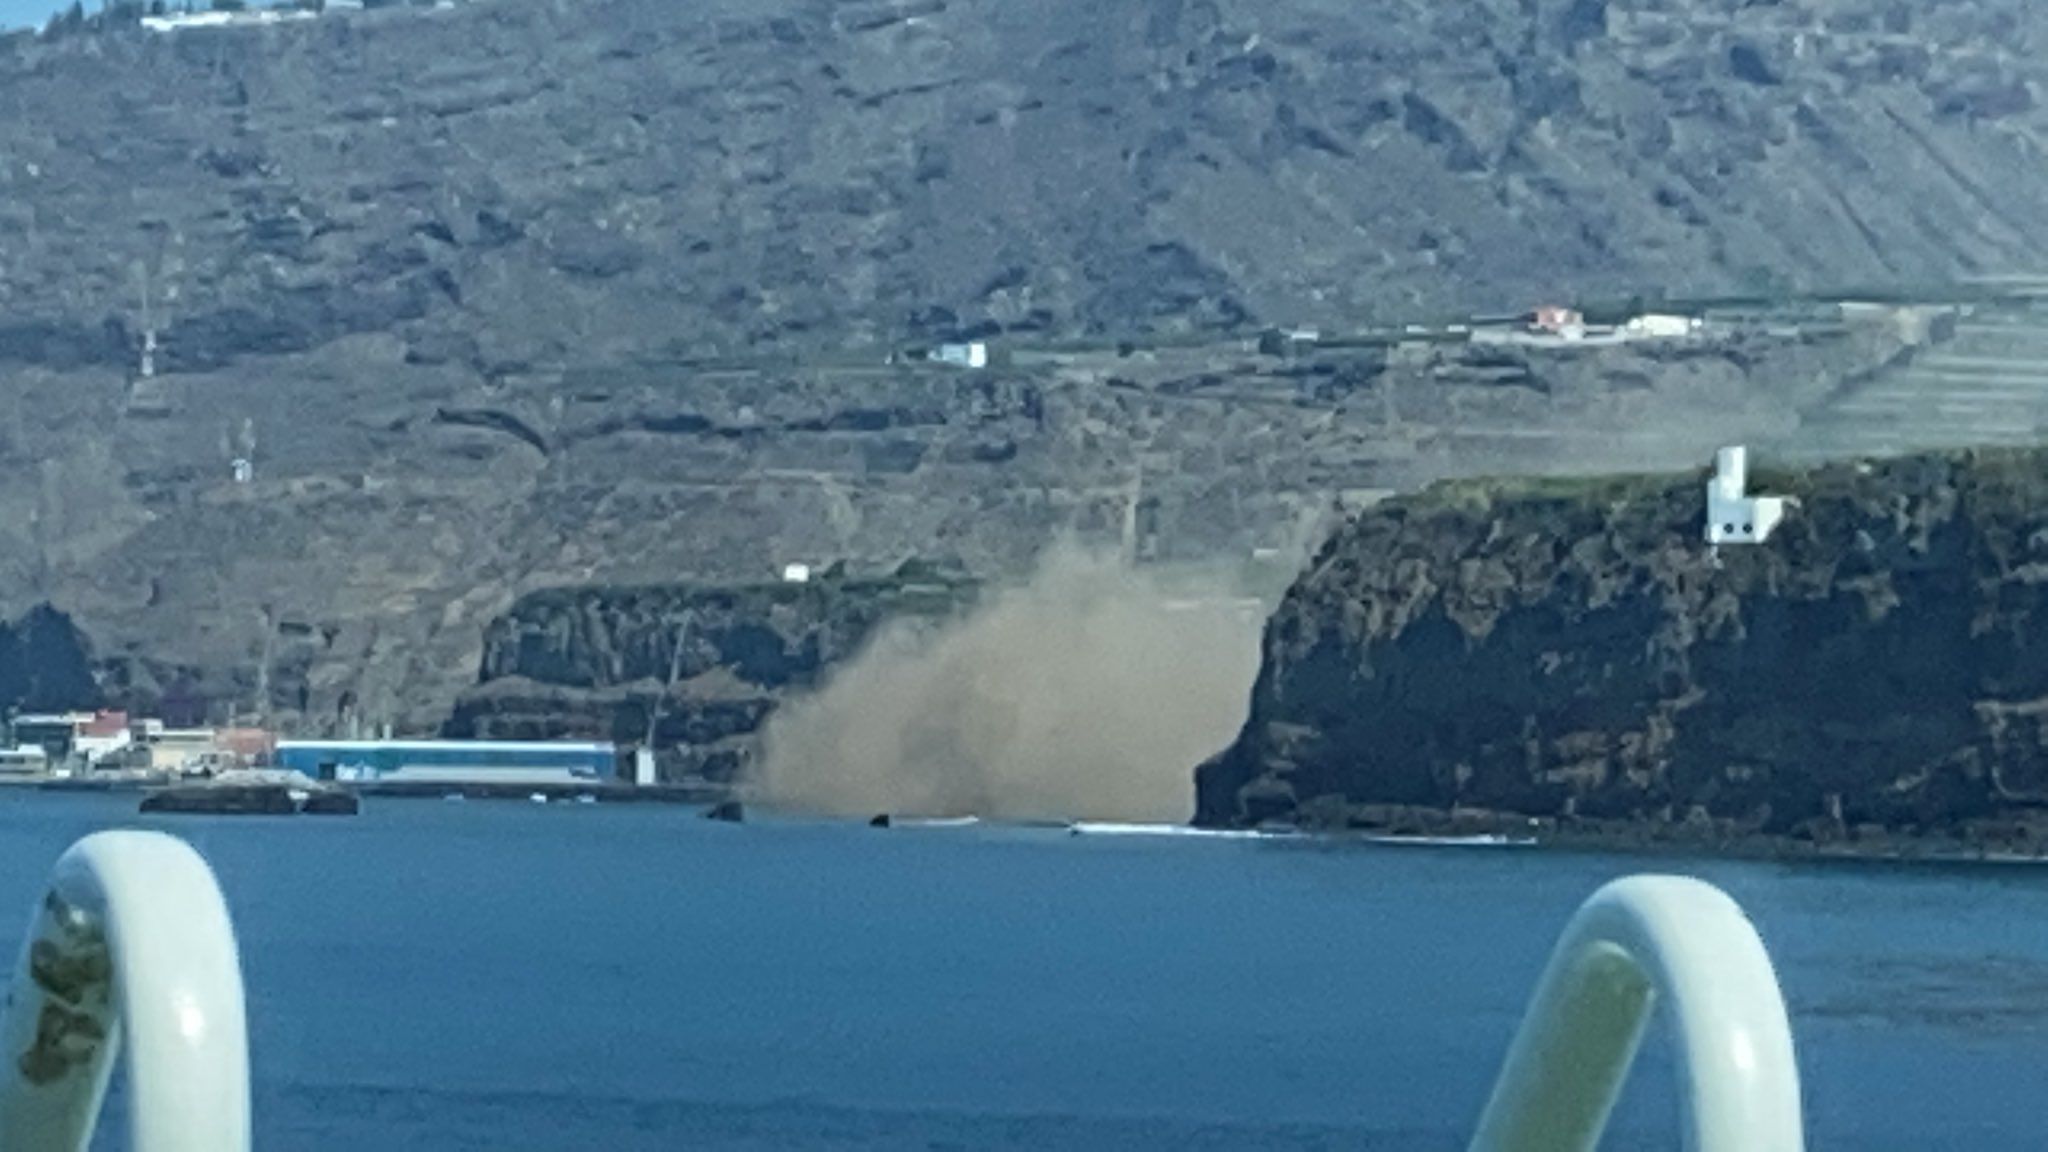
x=1088 y=692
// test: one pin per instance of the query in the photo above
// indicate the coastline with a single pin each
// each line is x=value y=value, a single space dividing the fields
x=1994 y=842
x=2011 y=840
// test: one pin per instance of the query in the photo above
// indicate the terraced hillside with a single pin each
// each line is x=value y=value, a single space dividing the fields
x=1983 y=382
x=520 y=293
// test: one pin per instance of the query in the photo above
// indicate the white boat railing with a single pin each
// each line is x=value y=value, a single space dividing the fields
x=130 y=947
x=1639 y=945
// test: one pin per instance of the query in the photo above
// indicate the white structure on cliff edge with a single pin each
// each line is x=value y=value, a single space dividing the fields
x=1734 y=516
x=216 y=18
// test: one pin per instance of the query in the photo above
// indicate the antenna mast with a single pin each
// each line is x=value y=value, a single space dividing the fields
x=148 y=370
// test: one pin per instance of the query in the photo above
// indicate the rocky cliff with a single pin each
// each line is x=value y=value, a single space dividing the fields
x=519 y=294
x=697 y=668
x=1569 y=650
x=45 y=665
x=386 y=524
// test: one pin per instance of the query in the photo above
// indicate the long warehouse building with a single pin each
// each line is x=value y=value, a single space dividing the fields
x=451 y=761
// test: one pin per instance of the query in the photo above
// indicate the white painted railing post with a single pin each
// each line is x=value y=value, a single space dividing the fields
x=1640 y=944
x=130 y=946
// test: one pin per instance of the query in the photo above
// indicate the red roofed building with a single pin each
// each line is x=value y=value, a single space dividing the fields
x=1569 y=323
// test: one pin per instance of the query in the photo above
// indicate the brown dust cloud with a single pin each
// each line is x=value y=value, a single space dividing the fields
x=1088 y=691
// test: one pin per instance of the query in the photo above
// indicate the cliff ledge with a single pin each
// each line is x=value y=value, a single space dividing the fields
x=698 y=667
x=1565 y=655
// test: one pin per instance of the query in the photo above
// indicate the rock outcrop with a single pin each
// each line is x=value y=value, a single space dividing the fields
x=697 y=667
x=1569 y=651
x=45 y=665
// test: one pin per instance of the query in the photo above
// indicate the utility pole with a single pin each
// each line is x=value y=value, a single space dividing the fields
x=1132 y=498
x=262 y=709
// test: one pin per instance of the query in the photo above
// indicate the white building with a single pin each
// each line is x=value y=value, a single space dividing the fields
x=87 y=735
x=96 y=745
x=187 y=21
x=1659 y=326
x=29 y=761
x=973 y=355
x=1733 y=515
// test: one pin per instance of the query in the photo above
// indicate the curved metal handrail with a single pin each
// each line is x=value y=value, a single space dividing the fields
x=131 y=945
x=1637 y=944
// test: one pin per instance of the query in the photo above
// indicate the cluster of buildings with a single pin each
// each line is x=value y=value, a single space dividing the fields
x=114 y=745
x=1548 y=325
x=66 y=744
x=1561 y=325
x=225 y=18
x=191 y=17
x=257 y=13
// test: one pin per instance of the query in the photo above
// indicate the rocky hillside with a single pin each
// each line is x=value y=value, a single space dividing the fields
x=699 y=668
x=510 y=183
x=1568 y=649
x=519 y=294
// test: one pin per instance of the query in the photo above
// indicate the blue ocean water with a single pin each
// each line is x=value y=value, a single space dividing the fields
x=510 y=976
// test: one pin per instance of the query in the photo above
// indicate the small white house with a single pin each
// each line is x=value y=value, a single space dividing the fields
x=1661 y=326
x=1733 y=515
x=974 y=355
x=796 y=573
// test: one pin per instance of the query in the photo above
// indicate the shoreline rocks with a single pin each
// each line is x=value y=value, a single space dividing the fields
x=258 y=793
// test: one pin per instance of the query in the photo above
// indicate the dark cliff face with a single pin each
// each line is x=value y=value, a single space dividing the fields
x=45 y=664
x=705 y=664
x=1568 y=648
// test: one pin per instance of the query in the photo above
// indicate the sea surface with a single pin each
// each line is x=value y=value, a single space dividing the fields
x=513 y=976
